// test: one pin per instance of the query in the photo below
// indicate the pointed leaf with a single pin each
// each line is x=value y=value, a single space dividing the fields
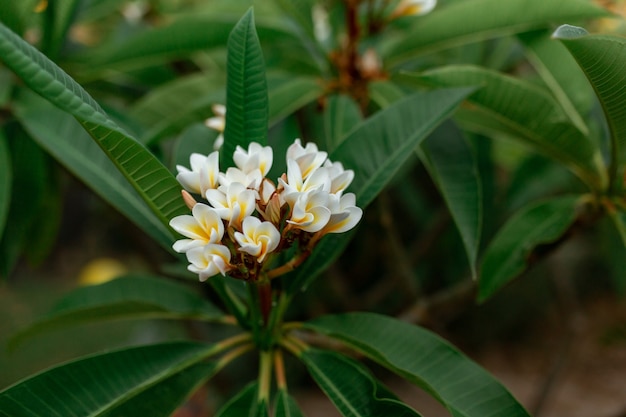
x=465 y=22
x=290 y=93
x=425 y=359
x=154 y=183
x=126 y=298
x=510 y=250
x=351 y=388
x=603 y=59
x=286 y=405
x=152 y=379
x=522 y=109
x=63 y=137
x=246 y=92
x=452 y=165
x=6 y=175
x=375 y=150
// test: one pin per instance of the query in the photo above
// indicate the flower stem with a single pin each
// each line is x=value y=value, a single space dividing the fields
x=279 y=370
x=265 y=376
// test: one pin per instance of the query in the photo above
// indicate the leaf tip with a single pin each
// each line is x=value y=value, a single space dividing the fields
x=569 y=32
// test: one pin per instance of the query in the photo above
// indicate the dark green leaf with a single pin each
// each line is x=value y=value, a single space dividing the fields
x=58 y=17
x=153 y=379
x=62 y=137
x=286 y=405
x=353 y=390
x=375 y=150
x=291 y=94
x=341 y=115
x=385 y=93
x=561 y=74
x=519 y=108
x=603 y=59
x=243 y=404
x=535 y=225
x=465 y=22
x=6 y=178
x=451 y=163
x=125 y=298
x=246 y=92
x=425 y=359
x=154 y=183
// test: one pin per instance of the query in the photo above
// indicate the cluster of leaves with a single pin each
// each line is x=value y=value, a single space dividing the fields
x=414 y=104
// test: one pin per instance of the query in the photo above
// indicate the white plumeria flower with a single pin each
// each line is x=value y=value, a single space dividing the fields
x=233 y=203
x=414 y=7
x=257 y=238
x=309 y=158
x=257 y=157
x=209 y=260
x=203 y=227
x=310 y=212
x=344 y=213
x=296 y=184
x=218 y=123
x=340 y=178
x=204 y=173
x=232 y=175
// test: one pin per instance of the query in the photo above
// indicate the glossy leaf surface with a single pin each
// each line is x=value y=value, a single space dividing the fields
x=113 y=384
x=125 y=298
x=510 y=250
x=425 y=359
x=519 y=108
x=246 y=93
x=353 y=390
x=464 y=22
x=154 y=183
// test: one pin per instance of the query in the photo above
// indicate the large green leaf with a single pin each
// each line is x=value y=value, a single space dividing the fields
x=126 y=298
x=451 y=163
x=341 y=115
x=425 y=359
x=148 y=380
x=475 y=20
x=58 y=17
x=61 y=136
x=603 y=59
x=510 y=250
x=351 y=388
x=519 y=108
x=286 y=405
x=375 y=150
x=154 y=183
x=561 y=74
x=289 y=93
x=6 y=178
x=246 y=91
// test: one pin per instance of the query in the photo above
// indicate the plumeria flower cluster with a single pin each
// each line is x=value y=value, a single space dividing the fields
x=245 y=219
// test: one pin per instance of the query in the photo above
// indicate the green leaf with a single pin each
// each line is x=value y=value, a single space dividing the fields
x=511 y=249
x=126 y=298
x=350 y=387
x=246 y=92
x=63 y=137
x=286 y=405
x=154 y=183
x=561 y=74
x=290 y=93
x=452 y=165
x=523 y=110
x=58 y=17
x=243 y=404
x=603 y=59
x=425 y=359
x=465 y=22
x=341 y=115
x=385 y=93
x=150 y=379
x=375 y=150
x=6 y=178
